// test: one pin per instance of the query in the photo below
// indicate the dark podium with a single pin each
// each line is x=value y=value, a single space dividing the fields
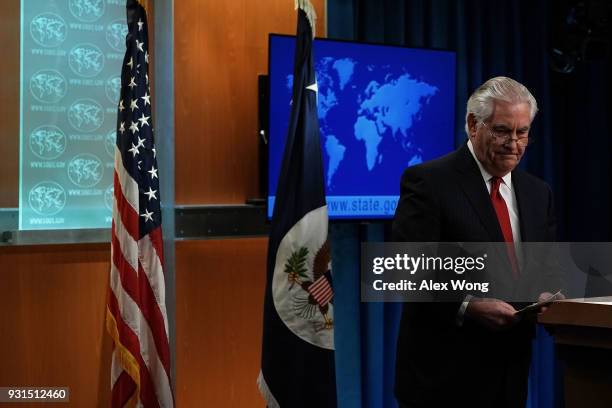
x=582 y=330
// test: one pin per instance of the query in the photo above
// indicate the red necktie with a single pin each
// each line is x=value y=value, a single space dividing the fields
x=501 y=209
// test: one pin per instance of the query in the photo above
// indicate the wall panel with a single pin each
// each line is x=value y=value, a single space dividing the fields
x=220 y=48
x=52 y=306
x=219 y=305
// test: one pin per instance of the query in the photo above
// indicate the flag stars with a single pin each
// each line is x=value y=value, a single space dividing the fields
x=146 y=98
x=139 y=45
x=151 y=194
x=148 y=216
x=153 y=173
x=132 y=83
x=314 y=87
x=134 y=104
x=154 y=152
x=144 y=120
x=134 y=150
x=134 y=127
x=131 y=63
x=146 y=57
x=121 y=107
x=139 y=163
x=140 y=142
x=122 y=127
x=140 y=24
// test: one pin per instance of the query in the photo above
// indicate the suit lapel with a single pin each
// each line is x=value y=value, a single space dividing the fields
x=474 y=188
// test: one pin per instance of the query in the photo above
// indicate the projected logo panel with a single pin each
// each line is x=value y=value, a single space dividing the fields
x=71 y=61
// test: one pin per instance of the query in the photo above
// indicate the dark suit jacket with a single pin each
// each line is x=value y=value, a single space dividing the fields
x=438 y=362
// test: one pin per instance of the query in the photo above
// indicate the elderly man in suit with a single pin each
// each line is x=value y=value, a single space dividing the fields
x=474 y=353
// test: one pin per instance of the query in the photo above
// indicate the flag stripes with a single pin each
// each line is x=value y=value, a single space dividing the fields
x=137 y=290
x=123 y=389
x=143 y=256
x=141 y=344
x=136 y=311
x=129 y=187
x=321 y=290
x=127 y=330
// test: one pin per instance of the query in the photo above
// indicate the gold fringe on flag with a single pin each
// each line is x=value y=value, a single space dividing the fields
x=126 y=359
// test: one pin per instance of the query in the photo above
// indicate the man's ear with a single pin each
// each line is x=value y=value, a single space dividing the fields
x=471 y=120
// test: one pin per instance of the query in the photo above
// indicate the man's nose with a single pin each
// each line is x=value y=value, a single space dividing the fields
x=512 y=145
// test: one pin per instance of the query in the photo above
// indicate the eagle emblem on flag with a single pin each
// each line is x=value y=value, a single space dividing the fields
x=315 y=291
x=302 y=282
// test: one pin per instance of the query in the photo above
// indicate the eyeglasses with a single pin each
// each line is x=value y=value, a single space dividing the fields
x=503 y=135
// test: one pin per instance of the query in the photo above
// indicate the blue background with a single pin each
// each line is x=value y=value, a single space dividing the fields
x=432 y=133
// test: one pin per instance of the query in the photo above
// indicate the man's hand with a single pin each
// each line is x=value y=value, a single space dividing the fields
x=492 y=313
x=545 y=295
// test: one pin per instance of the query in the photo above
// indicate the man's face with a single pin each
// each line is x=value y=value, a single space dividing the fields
x=500 y=158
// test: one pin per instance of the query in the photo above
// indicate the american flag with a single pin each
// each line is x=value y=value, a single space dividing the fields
x=136 y=316
x=321 y=290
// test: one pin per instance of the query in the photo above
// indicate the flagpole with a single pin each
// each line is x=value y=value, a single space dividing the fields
x=297 y=364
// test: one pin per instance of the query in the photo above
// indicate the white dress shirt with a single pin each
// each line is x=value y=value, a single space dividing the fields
x=509 y=196
x=507 y=193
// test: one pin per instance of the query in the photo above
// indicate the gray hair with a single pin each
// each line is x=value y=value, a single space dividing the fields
x=499 y=88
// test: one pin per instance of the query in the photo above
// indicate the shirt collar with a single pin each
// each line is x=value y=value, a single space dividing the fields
x=507 y=179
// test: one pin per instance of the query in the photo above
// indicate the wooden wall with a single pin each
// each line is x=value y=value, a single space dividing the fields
x=220 y=48
x=52 y=298
x=52 y=305
x=219 y=307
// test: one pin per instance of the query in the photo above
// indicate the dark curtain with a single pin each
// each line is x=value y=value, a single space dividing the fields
x=514 y=38
x=572 y=150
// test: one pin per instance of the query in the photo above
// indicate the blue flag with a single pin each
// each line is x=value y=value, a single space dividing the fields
x=297 y=367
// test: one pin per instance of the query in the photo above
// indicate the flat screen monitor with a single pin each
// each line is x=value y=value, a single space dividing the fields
x=381 y=109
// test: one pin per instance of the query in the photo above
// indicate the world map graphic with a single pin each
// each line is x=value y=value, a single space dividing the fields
x=382 y=113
